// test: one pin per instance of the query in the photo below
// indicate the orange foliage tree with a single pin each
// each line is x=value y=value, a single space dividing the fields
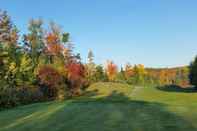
x=111 y=70
x=128 y=71
x=53 y=44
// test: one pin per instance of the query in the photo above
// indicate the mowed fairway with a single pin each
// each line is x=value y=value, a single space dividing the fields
x=108 y=107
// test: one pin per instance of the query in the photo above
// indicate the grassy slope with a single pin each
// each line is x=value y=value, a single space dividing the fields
x=108 y=107
x=182 y=104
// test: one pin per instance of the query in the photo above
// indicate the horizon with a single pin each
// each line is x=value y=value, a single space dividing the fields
x=157 y=34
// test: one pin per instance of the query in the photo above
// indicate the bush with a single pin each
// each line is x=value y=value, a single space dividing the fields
x=50 y=81
x=8 y=97
x=100 y=75
x=11 y=97
x=62 y=93
x=29 y=94
x=76 y=78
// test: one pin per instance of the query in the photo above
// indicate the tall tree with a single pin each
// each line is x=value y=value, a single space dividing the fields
x=90 y=68
x=8 y=31
x=9 y=49
x=139 y=73
x=128 y=71
x=34 y=40
x=100 y=74
x=90 y=57
x=111 y=70
x=193 y=72
x=76 y=74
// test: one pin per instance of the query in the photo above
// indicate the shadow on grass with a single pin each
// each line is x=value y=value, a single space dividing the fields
x=176 y=88
x=115 y=112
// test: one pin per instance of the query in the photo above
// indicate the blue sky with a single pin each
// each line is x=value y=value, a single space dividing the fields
x=157 y=33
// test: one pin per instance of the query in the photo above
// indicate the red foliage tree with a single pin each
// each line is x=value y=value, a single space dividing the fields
x=75 y=77
x=51 y=78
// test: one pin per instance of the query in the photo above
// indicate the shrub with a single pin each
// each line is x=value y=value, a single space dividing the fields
x=11 y=97
x=8 y=97
x=100 y=75
x=62 y=93
x=50 y=80
x=29 y=94
x=76 y=76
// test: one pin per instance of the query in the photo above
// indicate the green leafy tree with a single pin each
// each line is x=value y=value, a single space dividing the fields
x=9 y=50
x=139 y=74
x=100 y=74
x=193 y=72
x=68 y=47
x=120 y=77
x=25 y=75
x=34 y=41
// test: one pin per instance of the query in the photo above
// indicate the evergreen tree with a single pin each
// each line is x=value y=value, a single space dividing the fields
x=8 y=31
x=90 y=57
x=193 y=72
x=90 y=68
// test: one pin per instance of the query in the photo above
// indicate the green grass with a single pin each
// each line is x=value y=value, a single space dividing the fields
x=102 y=90
x=108 y=107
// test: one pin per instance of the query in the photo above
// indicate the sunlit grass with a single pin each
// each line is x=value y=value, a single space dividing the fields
x=108 y=107
x=103 y=89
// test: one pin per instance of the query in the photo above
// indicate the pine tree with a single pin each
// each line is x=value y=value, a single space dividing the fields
x=193 y=72
x=8 y=31
x=90 y=68
x=90 y=57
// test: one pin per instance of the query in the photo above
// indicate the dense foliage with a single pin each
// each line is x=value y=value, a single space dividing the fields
x=42 y=66
x=193 y=72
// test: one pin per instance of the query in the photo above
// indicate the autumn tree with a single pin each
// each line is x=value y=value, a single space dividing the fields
x=8 y=31
x=128 y=71
x=182 y=76
x=15 y=63
x=9 y=49
x=53 y=44
x=111 y=70
x=10 y=59
x=139 y=74
x=50 y=79
x=76 y=72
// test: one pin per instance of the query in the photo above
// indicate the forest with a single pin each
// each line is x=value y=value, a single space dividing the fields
x=46 y=83
x=41 y=66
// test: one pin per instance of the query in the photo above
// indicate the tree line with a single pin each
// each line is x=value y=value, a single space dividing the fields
x=40 y=66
